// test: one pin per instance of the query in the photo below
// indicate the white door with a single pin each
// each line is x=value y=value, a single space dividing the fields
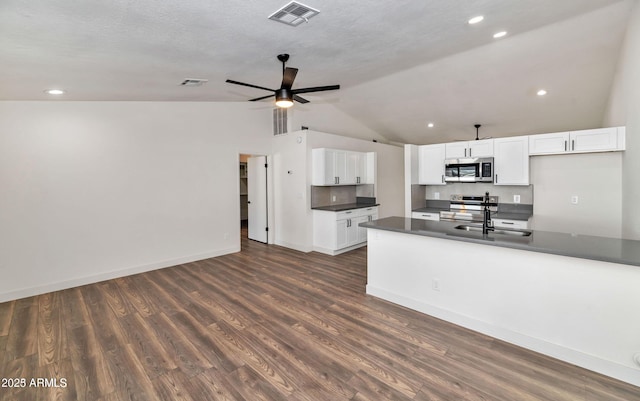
x=257 y=198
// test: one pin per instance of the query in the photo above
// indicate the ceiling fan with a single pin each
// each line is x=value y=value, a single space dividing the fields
x=286 y=94
x=477 y=134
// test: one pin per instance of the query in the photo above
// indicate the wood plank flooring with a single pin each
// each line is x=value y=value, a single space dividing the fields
x=267 y=323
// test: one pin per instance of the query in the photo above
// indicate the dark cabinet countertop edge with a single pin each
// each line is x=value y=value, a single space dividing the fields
x=605 y=249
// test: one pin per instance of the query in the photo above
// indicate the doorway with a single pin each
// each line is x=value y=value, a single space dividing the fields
x=254 y=203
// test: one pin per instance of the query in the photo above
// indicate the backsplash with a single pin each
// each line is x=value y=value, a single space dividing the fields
x=324 y=195
x=505 y=193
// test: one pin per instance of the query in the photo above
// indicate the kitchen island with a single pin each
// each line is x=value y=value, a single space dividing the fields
x=572 y=297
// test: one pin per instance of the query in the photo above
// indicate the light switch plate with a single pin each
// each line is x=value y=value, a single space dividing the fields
x=574 y=199
x=516 y=198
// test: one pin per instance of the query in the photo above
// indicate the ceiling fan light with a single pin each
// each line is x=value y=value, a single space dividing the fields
x=284 y=98
x=285 y=103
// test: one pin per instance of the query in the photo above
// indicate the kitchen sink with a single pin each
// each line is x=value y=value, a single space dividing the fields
x=517 y=233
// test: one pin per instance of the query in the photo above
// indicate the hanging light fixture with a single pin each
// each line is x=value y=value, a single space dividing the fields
x=284 y=98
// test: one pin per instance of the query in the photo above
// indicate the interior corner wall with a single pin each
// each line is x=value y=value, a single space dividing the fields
x=594 y=178
x=324 y=117
x=623 y=107
x=292 y=181
x=97 y=190
x=389 y=187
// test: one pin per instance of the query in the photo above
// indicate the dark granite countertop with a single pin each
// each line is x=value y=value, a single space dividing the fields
x=345 y=206
x=579 y=246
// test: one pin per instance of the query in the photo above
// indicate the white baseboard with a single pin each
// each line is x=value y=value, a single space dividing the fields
x=297 y=247
x=333 y=252
x=95 y=278
x=569 y=355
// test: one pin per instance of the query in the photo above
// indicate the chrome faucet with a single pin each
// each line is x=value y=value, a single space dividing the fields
x=487 y=225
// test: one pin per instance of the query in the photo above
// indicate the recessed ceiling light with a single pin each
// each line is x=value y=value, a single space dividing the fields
x=475 y=20
x=500 y=34
x=430 y=125
x=542 y=92
x=54 y=92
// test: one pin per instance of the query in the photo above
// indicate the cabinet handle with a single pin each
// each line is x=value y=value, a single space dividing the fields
x=470 y=153
x=508 y=222
x=573 y=144
x=349 y=223
x=496 y=178
x=370 y=218
x=443 y=178
x=565 y=146
x=358 y=180
x=465 y=152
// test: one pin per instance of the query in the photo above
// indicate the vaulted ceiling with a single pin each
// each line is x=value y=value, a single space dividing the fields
x=401 y=64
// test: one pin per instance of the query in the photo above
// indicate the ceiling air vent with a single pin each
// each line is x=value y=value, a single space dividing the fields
x=194 y=82
x=294 y=14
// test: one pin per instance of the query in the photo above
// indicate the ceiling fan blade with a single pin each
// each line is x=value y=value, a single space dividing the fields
x=288 y=76
x=249 y=85
x=260 y=98
x=316 y=89
x=300 y=99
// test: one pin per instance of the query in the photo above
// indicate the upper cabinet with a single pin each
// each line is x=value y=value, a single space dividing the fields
x=511 y=161
x=458 y=150
x=341 y=167
x=592 y=140
x=431 y=164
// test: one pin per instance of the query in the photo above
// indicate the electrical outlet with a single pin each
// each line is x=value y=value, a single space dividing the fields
x=516 y=198
x=435 y=284
x=333 y=198
x=574 y=199
x=436 y=195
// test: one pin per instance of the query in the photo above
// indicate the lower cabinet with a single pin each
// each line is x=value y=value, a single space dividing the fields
x=337 y=232
x=515 y=224
x=426 y=216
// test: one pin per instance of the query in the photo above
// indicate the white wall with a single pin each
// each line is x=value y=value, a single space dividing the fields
x=95 y=190
x=294 y=219
x=623 y=110
x=594 y=177
x=326 y=117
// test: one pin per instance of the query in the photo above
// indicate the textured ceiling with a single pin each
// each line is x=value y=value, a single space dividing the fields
x=400 y=63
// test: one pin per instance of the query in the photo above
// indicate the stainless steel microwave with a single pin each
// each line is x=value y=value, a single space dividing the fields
x=477 y=169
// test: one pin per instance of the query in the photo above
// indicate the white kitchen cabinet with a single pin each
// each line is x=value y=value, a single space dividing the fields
x=549 y=144
x=457 y=150
x=327 y=166
x=584 y=141
x=431 y=164
x=341 y=167
x=366 y=215
x=426 y=216
x=511 y=161
x=594 y=140
x=337 y=232
x=507 y=223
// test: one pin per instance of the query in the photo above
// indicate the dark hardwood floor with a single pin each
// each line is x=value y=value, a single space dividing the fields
x=267 y=323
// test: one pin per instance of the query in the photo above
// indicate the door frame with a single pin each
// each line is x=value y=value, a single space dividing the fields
x=271 y=235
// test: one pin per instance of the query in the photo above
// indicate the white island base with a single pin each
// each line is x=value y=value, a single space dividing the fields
x=584 y=312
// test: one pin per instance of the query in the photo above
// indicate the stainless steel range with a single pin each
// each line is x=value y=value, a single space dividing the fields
x=467 y=208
